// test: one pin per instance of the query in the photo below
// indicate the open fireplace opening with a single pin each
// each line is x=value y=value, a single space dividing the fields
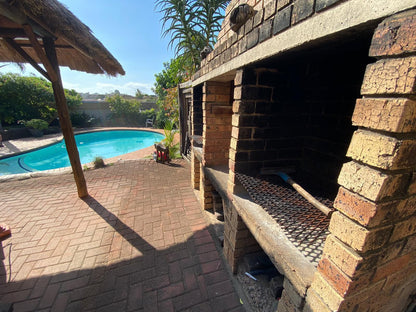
x=298 y=110
x=294 y=116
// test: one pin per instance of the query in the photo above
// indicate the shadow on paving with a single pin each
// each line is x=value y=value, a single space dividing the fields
x=189 y=276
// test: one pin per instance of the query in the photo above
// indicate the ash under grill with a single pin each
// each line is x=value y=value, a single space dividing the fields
x=304 y=225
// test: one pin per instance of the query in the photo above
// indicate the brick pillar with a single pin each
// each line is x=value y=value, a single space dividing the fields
x=252 y=111
x=217 y=111
x=205 y=188
x=238 y=239
x=369 y=259
x=216 y=132
x=196 y=129
x=195 y=171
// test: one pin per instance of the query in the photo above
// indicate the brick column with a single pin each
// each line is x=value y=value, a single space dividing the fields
x=252 y=111
x=205 y=188
x=369 y=259
x=217 y=110
x=238 y=239
x=195 y=171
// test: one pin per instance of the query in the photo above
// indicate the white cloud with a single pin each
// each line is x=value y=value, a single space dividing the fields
x=103 y=88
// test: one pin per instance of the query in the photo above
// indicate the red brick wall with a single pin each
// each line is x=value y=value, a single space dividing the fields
x=297 y=113
x=369 y=258
x=271 y=18
x=217 y=109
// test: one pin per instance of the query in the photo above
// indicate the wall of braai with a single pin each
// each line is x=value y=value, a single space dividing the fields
x=368 y=262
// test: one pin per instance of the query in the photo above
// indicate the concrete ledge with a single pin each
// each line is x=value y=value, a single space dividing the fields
x=347 y=15
x=286 y=257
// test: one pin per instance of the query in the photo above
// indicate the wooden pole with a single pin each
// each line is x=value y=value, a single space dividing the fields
x=63 y=113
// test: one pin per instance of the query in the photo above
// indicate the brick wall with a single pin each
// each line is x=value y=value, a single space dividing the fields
x=369 y=258
x=271 y=18
x=217 y=109
x=238 y=240
x=296 y=113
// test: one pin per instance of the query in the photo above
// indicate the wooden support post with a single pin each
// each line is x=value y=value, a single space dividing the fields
x=63 y=113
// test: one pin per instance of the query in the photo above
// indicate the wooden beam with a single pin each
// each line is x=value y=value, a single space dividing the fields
x=12 y=32
x=41 y=54
x=64 y=119
x=11 y=44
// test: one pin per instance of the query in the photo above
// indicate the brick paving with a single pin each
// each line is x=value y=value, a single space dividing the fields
x=139 y=242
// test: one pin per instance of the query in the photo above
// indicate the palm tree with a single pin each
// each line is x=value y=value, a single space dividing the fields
x=192 y=25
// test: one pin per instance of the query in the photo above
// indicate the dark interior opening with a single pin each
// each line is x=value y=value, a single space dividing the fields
x=197 y=111
x=308 y=126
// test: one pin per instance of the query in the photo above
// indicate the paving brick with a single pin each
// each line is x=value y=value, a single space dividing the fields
x=104 y=261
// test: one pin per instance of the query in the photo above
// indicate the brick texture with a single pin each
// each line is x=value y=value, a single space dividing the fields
x=382 y=151
x=138 y=243
x=347 y=259
x=395 y=36
x=356 y=236
x=392 y=115
x=390 y=76
x=371 y=214
x=372 y=184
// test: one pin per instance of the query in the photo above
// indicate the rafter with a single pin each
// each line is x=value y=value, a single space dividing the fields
x=40 y=53
x=14 y=46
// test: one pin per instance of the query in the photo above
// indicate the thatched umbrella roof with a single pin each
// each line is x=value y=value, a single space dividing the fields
x=76 y=46
x=45 y=32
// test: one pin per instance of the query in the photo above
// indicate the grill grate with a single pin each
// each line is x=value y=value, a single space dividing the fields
x=304 y=225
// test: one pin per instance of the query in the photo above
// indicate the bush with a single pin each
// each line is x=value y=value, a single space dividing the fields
x=82 y=120
x=99 y=162
x=37 y=124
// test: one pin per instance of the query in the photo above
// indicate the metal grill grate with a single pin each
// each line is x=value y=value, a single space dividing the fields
x=304 y=225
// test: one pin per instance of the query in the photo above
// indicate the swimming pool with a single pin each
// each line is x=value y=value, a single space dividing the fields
x=105 y=144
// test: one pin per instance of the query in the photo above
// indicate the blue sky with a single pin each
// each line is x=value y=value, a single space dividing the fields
x=131 y=31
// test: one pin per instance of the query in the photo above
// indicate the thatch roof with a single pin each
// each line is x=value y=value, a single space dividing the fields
x=76 y=46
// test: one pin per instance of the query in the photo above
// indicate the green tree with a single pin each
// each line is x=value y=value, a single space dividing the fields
x=166 y=90
x=25 y=98
x=191 y=25
x=129 y=111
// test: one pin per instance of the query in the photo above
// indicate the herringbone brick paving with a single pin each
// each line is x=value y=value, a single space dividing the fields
x=139 y=242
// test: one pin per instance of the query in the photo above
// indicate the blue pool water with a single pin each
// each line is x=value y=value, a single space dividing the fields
x=105 y=144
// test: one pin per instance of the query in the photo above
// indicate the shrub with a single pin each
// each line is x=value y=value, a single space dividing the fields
x=37 y=124
x=82 y=119
x=99 y=162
